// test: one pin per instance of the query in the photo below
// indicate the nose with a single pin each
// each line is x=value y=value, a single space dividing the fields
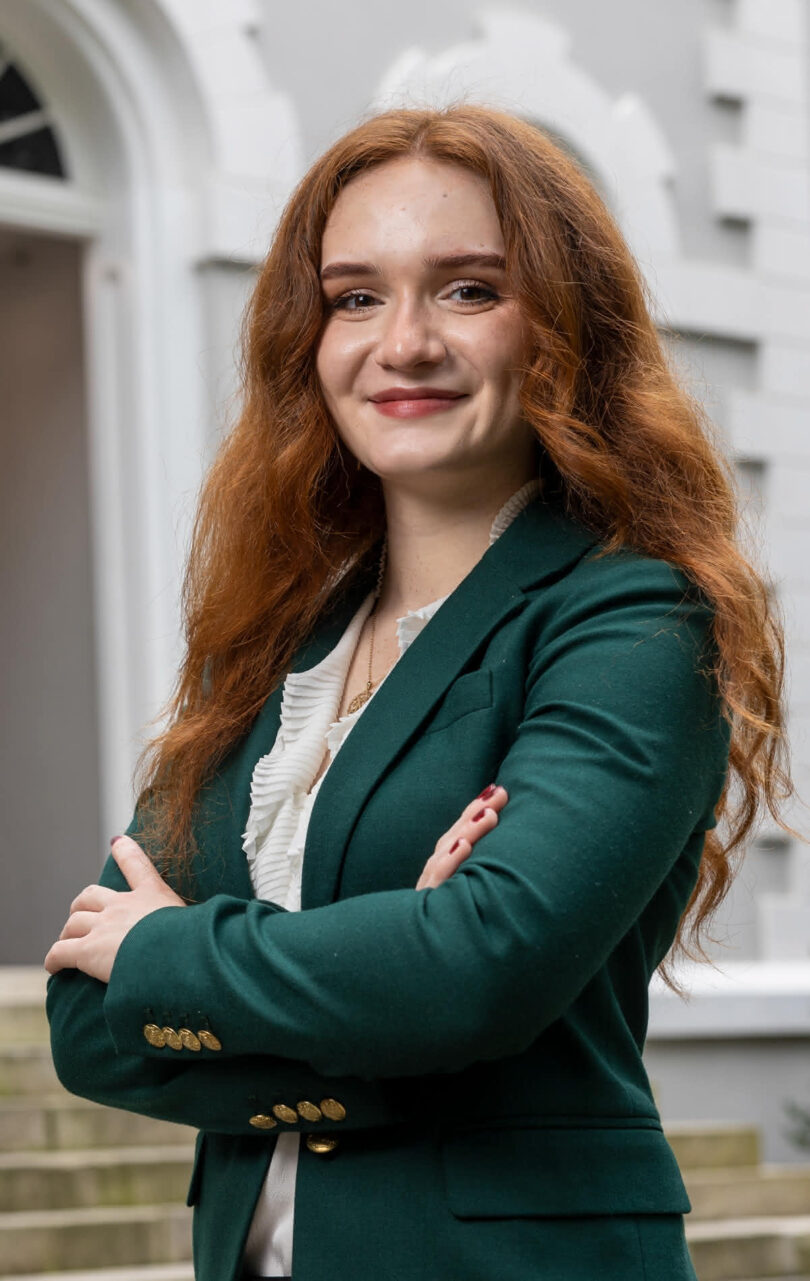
x=410 y=336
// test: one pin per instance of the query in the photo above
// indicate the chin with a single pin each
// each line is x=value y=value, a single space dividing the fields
x=429 y=481
x=407 y=464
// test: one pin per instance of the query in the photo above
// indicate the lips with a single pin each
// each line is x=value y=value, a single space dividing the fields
x=416 y=402
x=415 y=393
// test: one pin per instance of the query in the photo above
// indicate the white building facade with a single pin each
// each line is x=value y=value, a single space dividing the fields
x=146 y=148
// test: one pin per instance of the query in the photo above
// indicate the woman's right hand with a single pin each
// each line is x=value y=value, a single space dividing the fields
x=480 y=816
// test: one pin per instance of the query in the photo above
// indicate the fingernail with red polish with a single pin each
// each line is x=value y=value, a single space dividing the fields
x=113 y=839
x=453 y=847
x=478 y=816
x=487 y=792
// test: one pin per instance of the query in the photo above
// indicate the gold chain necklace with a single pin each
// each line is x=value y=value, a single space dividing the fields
x=365 y=694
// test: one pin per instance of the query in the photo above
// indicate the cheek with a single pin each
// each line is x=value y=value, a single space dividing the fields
x=501 y=352
x=335 y=375
x=339 y=361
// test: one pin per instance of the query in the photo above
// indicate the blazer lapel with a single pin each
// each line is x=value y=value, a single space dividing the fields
x=221 y=866
x=540 y=543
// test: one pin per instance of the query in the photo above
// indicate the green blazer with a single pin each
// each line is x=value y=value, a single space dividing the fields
x=474 y=1049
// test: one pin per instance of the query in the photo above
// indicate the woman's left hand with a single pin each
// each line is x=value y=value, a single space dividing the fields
x=100 y=918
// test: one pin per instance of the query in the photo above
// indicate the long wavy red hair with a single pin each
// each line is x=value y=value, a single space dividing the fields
x=286 y=511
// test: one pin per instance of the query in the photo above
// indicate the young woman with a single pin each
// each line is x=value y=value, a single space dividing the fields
x=467 y=506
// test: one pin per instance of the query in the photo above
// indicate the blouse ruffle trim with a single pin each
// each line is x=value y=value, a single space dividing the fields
x=282 y=778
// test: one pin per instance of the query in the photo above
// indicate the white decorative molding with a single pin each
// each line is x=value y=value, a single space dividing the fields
x=48 y=204
x=785 y=918
x=254 y=139
x=769 y=425
x=770 y=22
x=761 y=61
x=750 y=184
x=776 y=129
x=522 y=63
x=178 y=153
x=739 y=63
x=738 y=999
x=708 y=298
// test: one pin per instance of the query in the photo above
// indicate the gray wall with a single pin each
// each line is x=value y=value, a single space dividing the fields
x=49 y=776
x=737 y=1082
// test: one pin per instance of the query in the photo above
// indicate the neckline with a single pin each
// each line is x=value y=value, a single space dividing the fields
x=504 y=516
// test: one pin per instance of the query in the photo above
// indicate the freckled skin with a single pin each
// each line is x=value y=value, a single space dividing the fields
x=413 y=325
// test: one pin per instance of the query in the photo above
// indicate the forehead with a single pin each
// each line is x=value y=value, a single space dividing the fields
x=409 y=204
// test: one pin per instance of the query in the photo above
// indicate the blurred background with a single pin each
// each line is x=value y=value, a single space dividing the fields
x=146 y=149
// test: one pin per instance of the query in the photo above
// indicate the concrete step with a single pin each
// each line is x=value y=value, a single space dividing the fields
x=151 y=1272
x=53 y=1240
x=756 y=1191
x=734 y=1249
x=709 y=1146
x=23 y=1025
x=61 y=1121
x=83 y=1179
x=27 y=1070
x=22 y=1005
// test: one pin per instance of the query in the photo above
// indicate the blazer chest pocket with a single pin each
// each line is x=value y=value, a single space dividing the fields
x=470 y=693
x=558 y=1173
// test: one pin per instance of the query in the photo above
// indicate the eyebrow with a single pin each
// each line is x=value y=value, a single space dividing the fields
x=334 y=269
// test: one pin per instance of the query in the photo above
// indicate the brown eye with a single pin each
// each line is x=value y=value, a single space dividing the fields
x=343 y=302
x=473 y=292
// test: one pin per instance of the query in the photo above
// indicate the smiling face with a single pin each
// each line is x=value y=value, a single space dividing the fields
x=420 y=351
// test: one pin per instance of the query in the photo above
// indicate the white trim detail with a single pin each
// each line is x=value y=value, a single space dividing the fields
x=756 y=999
x=256 y=152
x=522 y=63
x=49 y=204
x=765 y=178
x=178 y=153
x=740 y=63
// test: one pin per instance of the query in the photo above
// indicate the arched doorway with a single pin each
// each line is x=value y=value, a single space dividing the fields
x=169 y=157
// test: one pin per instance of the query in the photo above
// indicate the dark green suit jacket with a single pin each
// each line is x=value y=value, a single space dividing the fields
x=485 y=1037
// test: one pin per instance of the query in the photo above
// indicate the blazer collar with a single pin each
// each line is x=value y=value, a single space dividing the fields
x=540 y=544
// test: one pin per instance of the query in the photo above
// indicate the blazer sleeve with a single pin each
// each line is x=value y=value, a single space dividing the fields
x=203 y=1089
x=620 y=757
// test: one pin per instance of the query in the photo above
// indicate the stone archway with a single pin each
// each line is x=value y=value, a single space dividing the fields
x=178 y=155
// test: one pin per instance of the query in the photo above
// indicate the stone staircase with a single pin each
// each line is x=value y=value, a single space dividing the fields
x=85 y=1190
x=749 y=1221
x=99 y=1194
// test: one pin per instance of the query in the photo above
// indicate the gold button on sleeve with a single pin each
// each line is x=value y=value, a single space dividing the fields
x=321 y=1145
x=262 y=1122
x=172 y=1038
x=190 y=1041
x=208 y=1039
x=309 y=1111
x=332 y=1109
x=289 y=1115
x=154 y=1035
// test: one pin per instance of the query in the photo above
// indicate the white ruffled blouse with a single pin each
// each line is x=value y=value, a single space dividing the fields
x=282 y=795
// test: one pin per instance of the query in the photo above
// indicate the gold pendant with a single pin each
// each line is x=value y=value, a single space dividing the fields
x=359 y=699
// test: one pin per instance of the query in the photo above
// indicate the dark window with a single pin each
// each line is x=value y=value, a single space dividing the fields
x=27 y=138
